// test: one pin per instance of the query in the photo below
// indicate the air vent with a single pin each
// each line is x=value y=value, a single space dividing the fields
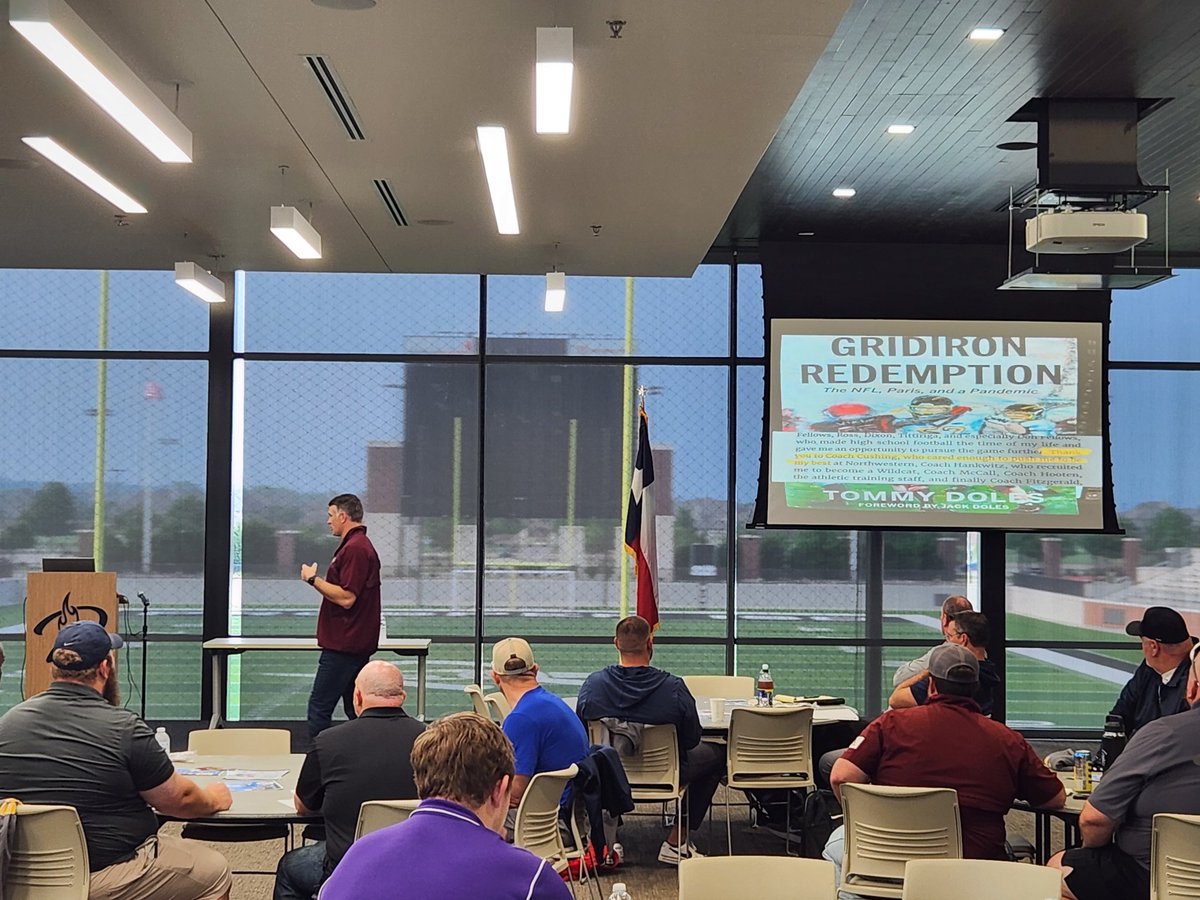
x=390 y=201
x=335 y=93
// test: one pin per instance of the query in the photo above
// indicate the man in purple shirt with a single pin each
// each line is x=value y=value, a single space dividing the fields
x=348 y=621
x=451 y=846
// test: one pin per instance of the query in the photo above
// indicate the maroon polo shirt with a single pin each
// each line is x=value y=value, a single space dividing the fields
x=355 y=567
x=949 y=743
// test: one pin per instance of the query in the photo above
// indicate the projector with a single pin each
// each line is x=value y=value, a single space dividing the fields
x=1069 y=231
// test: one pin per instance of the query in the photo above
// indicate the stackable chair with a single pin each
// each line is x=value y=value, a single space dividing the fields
x=653 y=771
x=763 y=877
x=48 y=855
x=989 y=879
x=376 y=814
x=886 y=827
x=769 y=749
x=537 y=825
x=240 y=742
x=1175 y=857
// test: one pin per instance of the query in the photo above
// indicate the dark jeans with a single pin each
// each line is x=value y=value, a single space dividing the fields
x=335 y=679
x=701 y=771
x=300 y=873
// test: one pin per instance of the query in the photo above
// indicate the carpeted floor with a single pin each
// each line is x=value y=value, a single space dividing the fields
x=641 y=836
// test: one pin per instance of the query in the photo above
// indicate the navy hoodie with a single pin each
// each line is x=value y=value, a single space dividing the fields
x=641 y=694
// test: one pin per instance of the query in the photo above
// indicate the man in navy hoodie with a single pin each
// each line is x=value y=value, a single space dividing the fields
x=634 y=691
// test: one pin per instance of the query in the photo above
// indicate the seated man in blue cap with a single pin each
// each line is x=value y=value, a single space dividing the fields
x=74 y=745
x=1157 y=686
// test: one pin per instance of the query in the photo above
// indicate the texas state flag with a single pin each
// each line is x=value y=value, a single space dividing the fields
x=639 y=527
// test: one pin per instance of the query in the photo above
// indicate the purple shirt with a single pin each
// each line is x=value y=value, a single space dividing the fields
x=443 y=852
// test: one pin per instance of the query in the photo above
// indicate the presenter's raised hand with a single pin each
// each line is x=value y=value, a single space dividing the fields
x=308 y=571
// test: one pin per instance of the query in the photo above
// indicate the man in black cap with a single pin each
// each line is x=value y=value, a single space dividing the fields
x=73 y=745
x=1157 y=687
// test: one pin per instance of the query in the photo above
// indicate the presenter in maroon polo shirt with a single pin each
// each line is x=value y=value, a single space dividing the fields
x=348 y=623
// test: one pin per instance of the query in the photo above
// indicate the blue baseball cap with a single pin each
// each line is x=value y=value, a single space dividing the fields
x=89 y=640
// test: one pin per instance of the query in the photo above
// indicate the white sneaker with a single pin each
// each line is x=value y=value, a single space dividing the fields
x=671 y=854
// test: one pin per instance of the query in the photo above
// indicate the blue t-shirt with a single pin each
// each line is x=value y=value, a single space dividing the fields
x=545 y=733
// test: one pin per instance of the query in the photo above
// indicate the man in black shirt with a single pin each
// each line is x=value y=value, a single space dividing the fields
x=72 y=745
x=366 y=758
x=1157 y=687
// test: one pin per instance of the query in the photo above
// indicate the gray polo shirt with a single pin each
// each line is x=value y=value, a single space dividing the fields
x=68 y=745
x=1156 y=773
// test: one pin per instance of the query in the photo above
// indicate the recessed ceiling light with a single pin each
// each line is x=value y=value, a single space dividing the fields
x=493 y=147
x=66 y=40
x=844 y=193
x=901 y=129
x=985 y=33
x=345 y=4
x=805 y=233
x=81 y=171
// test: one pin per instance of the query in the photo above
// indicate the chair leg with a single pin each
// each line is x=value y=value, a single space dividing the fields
x=787 y=822
x=728 y=827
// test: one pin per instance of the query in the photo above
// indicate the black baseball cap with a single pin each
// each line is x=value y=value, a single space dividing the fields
x=1160 y=623
x=89 y=640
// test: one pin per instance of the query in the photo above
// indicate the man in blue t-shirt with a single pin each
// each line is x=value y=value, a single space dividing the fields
x=546 y=734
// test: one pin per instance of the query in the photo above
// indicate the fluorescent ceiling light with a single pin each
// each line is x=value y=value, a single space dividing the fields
x=556 y=291
x=206 y=286
x=844 y=193
x=985 y=34
x=900 y=129
x=66 y=40
x=554 y=73
x=296 y=232
x=493 y=146
x=78 y=169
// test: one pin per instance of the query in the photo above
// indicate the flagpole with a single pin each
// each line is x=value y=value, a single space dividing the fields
x=626 y=441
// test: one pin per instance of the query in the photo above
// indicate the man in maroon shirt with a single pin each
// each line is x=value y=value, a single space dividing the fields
x=348 y=623
x=949 y=743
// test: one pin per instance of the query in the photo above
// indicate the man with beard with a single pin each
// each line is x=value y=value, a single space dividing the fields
x=73 y=745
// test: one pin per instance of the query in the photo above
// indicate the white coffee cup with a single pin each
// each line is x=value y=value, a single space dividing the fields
x=716 y=706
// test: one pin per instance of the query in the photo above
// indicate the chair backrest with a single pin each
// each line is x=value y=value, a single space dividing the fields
x=240 y=742
x=376 y=814
x=888 y=826
x=1174 y=857
x=770 y=747
x=772 y=878
x=989 y=879
x=731 y=687
x=536 y=827
x=49 y=856
x=477 y=702
x=497 y=703
x=653 y=771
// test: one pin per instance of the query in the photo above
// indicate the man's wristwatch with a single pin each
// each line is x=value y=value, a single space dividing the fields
x=312 y=579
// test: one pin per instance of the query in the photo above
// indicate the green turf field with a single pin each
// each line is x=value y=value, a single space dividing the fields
x=276 y=685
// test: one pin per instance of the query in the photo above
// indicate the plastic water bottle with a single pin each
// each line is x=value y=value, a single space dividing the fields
x=765 y=693
x=619 y=892
x=164 y=739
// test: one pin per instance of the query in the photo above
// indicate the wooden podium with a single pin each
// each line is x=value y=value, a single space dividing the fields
x=55 y=600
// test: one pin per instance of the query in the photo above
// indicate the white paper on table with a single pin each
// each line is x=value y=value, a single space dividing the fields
x=254 y=774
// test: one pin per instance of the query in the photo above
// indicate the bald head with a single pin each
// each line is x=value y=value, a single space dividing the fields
x=379 y=683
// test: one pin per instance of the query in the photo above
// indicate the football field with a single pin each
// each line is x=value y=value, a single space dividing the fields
x=1066 y=688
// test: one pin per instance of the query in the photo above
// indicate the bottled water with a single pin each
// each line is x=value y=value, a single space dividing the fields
x=619 y=892
x=765 y=692
x=164 y=739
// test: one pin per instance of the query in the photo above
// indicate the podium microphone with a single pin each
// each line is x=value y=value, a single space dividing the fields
x=145 y=600
x=122 y=599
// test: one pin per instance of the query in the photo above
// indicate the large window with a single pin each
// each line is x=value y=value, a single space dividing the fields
x=104 y=456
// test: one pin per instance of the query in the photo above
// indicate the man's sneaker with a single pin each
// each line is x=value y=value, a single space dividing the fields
x=671 y=855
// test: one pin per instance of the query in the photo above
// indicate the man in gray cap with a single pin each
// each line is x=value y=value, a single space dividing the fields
x=73 y=745
x=949 y=743
x=1157 y=686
